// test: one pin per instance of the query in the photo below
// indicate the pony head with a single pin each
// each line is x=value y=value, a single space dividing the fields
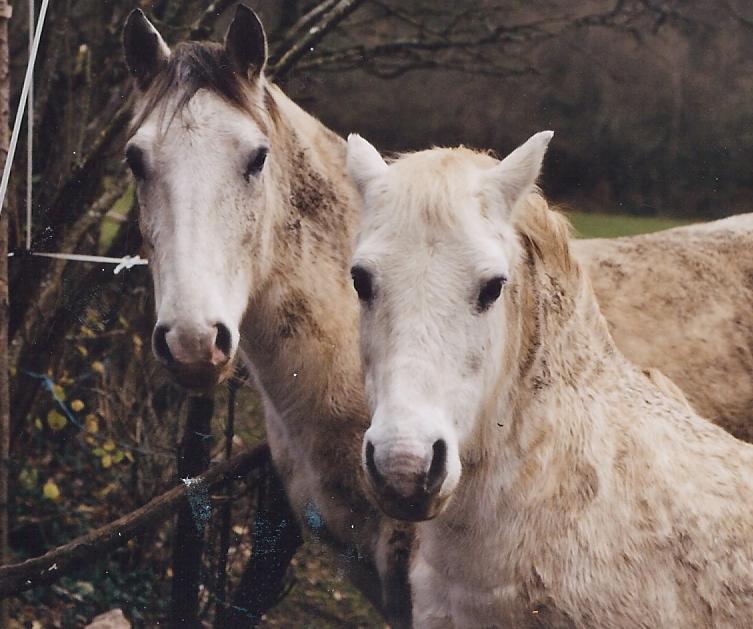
x=201 y=154
x=436 y=249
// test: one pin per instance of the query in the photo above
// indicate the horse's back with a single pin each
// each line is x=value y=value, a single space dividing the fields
x=681 y=300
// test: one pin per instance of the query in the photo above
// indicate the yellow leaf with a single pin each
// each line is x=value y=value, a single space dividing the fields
x=106 y=461
x=108 y=446
x=38 y=423
x=137 y=342
x=91 y=423
x=58 y=392
x=129 y=456
x=28 y=477
x=56 y=421
x=50 y=490
x=82 y=350
x=98 y=367
x=77 y=405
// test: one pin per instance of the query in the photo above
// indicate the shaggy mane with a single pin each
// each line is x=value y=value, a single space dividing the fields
x=428 y=179
x=547 y=231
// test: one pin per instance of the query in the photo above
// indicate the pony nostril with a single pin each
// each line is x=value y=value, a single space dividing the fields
x=438 y=468
x=160 y=346
x=376 y=477
x=224 y=339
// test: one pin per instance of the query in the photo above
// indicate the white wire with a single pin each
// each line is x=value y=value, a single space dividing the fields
x=30 y=135
x=22 y=103
x=27 y=99
x=126 y=262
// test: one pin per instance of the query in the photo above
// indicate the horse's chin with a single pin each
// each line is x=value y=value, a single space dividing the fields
x=410 y=509
x=200 y=377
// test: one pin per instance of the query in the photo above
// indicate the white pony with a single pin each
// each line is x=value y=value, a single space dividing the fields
x=555 y=484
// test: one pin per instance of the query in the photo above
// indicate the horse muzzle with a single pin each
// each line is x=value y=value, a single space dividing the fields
x=406 y=486
x=197 y=357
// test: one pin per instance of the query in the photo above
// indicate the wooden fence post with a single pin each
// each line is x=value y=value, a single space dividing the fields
x=188 y=539
x=4 y=311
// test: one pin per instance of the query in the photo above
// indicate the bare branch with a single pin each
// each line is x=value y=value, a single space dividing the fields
x=60 y=561
x=312 y=37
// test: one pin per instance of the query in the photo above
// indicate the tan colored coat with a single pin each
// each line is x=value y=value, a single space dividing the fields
x=681 y=300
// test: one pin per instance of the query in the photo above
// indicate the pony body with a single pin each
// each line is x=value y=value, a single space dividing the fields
x=590 y=495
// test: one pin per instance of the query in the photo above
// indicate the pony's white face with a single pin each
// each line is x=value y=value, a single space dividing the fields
x=200 y=164
x=435 y=251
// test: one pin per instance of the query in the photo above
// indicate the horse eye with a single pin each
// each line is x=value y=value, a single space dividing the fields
x=362 y=282
x=256 y=162
x=134 y=157
x=490 y=292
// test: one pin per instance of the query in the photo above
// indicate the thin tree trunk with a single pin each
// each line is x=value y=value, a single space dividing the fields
x=227 y=510
x=4 y=366
x=188 y=541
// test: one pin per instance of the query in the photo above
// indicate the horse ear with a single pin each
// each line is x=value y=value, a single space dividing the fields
x=246 y=43
x=146 y=52
x=364 y=162
x=514 y=177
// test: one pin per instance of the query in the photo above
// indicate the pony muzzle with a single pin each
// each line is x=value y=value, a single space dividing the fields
x=198 y=357
x=407 y=484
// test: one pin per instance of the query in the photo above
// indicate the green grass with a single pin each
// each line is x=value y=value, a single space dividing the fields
x=612 y=225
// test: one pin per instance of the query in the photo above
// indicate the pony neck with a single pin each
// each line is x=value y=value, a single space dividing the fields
x=301 y=329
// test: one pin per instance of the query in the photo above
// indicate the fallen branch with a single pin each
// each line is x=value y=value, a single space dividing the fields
x=62 y=560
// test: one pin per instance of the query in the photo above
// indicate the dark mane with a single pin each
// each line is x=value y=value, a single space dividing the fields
x=193 y=66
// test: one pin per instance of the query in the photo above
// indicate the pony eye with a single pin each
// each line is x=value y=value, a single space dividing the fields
x=362 y=282
x=256 y=162
x=490 y=292
x=134 y=158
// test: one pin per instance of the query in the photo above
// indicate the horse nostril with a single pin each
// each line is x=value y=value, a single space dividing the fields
x=224 y=339
x=160 y=346
x=438 y=468
x=376 y=477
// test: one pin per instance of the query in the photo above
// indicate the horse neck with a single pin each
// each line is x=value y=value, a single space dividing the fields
x=301 y=331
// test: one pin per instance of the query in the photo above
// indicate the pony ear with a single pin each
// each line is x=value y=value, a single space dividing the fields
x=514 y=177
x=146 y=53
x=246 y=43
x=364 y=162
